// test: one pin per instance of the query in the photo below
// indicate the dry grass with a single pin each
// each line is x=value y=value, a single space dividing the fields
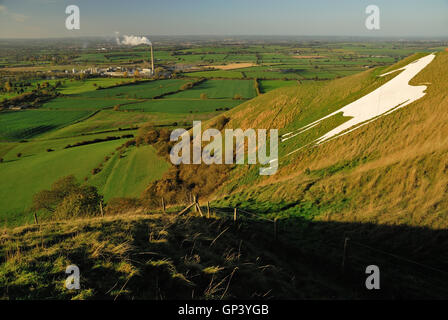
x=391 y=171
x=233 y=66
x=144 y=257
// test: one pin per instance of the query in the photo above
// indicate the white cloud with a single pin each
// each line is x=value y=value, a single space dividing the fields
x=133 y=40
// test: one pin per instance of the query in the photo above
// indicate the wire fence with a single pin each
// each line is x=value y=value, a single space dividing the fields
x=360 y=255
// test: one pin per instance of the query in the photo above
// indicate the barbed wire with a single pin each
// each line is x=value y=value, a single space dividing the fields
x=399 y=257
x=257 y=217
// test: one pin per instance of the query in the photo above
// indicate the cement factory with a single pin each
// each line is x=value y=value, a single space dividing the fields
x=122 y=71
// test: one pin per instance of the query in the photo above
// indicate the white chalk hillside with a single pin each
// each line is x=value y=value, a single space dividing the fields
x=393 y=95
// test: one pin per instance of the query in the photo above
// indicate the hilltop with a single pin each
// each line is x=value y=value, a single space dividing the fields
x=163 y=256
x=155 y=256
x=389 y=171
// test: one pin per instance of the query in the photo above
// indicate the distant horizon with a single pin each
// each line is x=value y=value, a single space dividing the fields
x=351 y=37
x=43 y=19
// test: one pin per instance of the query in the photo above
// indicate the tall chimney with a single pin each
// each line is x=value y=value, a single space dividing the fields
x=152 y=60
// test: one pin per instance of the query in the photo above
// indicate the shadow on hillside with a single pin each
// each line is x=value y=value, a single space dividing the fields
x=413 y=261
x=157 y=257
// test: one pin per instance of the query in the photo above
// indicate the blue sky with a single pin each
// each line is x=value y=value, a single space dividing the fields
x=399 y=18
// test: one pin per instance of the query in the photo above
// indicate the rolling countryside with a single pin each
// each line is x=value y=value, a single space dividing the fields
x=87 y=177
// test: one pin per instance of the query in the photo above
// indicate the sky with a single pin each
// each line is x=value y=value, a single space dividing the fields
x=398 y=18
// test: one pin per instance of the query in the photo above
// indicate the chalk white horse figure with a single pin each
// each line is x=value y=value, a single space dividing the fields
x=393 y=95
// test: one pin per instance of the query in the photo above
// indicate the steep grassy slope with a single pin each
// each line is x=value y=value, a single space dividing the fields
x=391 y=171
x=161 y=256
x=152 y=257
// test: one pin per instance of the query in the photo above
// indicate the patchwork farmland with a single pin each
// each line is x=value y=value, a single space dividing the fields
x=81 y=124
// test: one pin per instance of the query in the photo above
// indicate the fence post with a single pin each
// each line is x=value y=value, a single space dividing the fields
x=234 y=215
x=101 y=209
x=198 y=207
x=208 y=209
x=35 y=218
x=345 y=255
x=275 y=229
x=163 y=205
x=195 y=200
x=186 y=209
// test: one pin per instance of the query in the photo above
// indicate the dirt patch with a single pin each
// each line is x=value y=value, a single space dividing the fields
x=309 y=57
x=234 y=66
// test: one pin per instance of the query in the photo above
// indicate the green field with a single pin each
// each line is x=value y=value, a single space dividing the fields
x=142 y=90
x=9 y=150
x=16 y=125
x=31 y=174
x=102 y=121
x=71 y=86
x=130 y=175
x=216 y=74
x=75 y=103
x=182 y=106
x=269 y=85
x=82 y=115
x=80 y=86
x=218 y=89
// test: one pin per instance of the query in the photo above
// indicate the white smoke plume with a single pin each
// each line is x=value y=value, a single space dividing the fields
x=132 y=40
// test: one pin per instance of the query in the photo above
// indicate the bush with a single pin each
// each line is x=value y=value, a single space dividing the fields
x=164 y=135
x=186 y=86
x=147 y=134
x=130 y=143
x=83 y=203
x=221 y=122
x=257 y=86
x=67 y=198
x=182 y=180
x=163 y=149
x=83 y=143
